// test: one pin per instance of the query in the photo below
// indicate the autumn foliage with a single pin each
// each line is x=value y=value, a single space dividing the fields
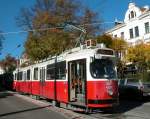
x=44 y=21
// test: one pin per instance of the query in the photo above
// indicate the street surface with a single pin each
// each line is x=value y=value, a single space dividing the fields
x=13 y=107
x=16 y=106
x=128 y=110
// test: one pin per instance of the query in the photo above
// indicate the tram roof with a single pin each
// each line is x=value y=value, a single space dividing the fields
x=80 y=53
x=72 y=54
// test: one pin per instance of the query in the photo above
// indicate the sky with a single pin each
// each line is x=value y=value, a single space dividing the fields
x=108 y=10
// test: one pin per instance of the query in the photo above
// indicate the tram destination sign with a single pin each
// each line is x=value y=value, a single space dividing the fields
x=105 y=52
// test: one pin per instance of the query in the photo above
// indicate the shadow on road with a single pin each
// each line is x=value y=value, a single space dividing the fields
x=127 y=105
x=131 y=103
x=22 y=111
x=4 y=93
x=124 y=106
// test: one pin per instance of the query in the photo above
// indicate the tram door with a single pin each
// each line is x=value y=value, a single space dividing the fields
x=77 y=80
x=42 y=80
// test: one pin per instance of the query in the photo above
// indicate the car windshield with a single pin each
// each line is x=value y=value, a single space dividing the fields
x=103 y=68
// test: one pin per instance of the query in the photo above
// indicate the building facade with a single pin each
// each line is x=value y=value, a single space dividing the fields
x=23 y=59
x=135 y=27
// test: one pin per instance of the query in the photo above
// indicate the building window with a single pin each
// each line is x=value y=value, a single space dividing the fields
x=147 y=27
x=132 y=14
x=122 y=35
x=115 y=36
x=131 y=33
x=136 y=31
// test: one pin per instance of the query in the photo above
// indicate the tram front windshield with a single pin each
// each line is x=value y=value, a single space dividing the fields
x=103 y=68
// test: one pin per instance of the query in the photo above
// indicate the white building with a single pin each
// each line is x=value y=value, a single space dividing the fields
x=23 y=59
x=135 y=27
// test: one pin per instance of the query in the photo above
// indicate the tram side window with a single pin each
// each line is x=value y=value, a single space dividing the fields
x=61 y=70
x=50 y=72
x=42 y=73
x=24 y=76
x=28 y=74
x=20 y=76
x=35 y=73
x=15 y=76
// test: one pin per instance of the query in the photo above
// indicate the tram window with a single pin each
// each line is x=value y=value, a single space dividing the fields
x=24 y=76
x=44 y=76
x=15 y=76
x=60 y=70
x=28 y=74
x=50 y=72
x=20 y=76
x=35 y=73
x=105 y=52
x=42 y=73
x=103 y=68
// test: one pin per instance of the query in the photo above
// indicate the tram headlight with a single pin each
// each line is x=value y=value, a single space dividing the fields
x=110 y=91
x=109 y=88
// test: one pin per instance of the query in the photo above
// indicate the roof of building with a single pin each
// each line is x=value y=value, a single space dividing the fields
x=138 y=13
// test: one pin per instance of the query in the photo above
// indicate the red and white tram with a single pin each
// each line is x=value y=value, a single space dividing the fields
x=80 y=78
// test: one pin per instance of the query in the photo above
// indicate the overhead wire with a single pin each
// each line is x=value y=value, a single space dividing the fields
x=44 y=29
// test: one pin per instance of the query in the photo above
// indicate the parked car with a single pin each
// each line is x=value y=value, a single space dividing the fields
x=134 y=88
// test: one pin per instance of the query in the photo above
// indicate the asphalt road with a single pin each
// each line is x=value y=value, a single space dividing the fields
x=14 y=107
x=128 y=109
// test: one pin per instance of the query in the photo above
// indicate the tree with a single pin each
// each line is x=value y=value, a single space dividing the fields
x=8 y=64
x=87 y=18
x=50 y=44
x=46 y=15
x=119 y=45
x=139 y=54
x=106 y=39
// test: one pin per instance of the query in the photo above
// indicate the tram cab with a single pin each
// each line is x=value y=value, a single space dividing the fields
x=92 y=77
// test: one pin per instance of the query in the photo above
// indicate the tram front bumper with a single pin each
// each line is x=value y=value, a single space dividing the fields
x=103 y=103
